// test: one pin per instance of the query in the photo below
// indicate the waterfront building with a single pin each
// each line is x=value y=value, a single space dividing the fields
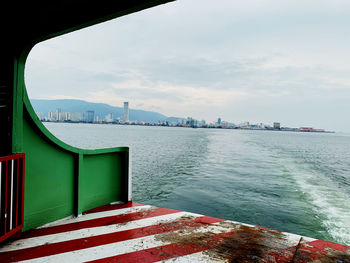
x=97 y=119
x=126 y=111
x=58 y=114
x=53 y=116
x=74 y=116
x=277 y=125
x=62 y=116
x=306 y=129
x=89 y=116
x=224 y=124
x=109 y=118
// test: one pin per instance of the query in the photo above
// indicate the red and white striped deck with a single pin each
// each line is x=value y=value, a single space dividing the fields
x=141 y=233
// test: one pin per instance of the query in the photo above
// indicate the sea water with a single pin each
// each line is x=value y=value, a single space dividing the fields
x=289 y=181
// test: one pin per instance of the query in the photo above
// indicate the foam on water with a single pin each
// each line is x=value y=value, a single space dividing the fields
x=328 y=200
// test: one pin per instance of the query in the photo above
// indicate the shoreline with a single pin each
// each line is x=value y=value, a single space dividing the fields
x=199 y=127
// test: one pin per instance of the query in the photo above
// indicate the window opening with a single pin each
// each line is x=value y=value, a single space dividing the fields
x=265 y=76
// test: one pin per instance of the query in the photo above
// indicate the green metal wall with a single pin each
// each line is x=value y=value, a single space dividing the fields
x=62 y=180
x=104 y=179
x=49 y=180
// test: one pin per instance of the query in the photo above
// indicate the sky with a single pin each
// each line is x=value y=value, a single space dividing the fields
x=260 y=61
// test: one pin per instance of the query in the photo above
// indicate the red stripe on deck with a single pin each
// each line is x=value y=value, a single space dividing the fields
x=323 y=246
x=77 y=244
x=317 y=250
x=167 y=251
x=155 y=254
x=104 y=221
x=111 y=207
x=322 y=251
x=208 y=220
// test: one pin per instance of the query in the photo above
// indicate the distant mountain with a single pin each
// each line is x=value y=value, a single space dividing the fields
x=101 y=109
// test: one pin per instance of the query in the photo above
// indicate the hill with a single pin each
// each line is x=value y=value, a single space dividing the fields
x=101 y=109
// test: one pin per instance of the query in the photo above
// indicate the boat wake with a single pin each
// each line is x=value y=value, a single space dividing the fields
x=330 y=202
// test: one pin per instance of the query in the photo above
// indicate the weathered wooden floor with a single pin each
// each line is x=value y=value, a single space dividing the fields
x=141 y=233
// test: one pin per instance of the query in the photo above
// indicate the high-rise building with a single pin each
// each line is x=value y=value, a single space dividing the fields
x=74 y=116
x=219 y=121
x=276 y=125
x=126 y=111
x=90 y=116
x=63 y=116
x=53 y=116
x=58 y=114
x=109 y=118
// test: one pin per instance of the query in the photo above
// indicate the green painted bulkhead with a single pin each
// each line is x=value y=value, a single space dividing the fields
x=60 y=180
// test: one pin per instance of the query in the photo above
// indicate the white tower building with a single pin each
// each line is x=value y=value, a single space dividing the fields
x=126 y=111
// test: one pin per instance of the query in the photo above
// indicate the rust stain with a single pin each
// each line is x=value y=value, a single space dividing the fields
x=322 y=252
x=248 y=244
x=338 y=256
x=177 y=220
x=146 y=211
x=242 y=246
x=232 y=242
x=187 y=235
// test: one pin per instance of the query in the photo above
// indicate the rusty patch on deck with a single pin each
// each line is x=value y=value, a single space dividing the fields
x=248 y=244
x=244 y=245
x=229 y=241
x=146 y=211
x=142 y=212
x=338 y=257
x=322 y=252
x=334 y=257
x=175 y=222
x=185 y=234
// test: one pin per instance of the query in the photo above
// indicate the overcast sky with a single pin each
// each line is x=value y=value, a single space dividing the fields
x=256 y=60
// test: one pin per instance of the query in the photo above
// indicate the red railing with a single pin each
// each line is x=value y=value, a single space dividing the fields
x=11 y=194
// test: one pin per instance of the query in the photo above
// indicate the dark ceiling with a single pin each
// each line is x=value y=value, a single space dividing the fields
x=33 y=21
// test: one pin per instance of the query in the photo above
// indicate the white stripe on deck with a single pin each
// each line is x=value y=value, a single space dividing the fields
x=198 y=257
x=123 y=247
x=90 y=232
x=97 y=215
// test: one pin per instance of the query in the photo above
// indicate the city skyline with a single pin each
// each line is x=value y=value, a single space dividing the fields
x=189 y=122
x=90 y=117
x=257 y=61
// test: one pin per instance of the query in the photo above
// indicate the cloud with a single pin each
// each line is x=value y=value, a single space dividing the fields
x=258 y=59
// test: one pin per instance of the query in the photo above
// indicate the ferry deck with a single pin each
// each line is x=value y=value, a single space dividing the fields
x=134 y=232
